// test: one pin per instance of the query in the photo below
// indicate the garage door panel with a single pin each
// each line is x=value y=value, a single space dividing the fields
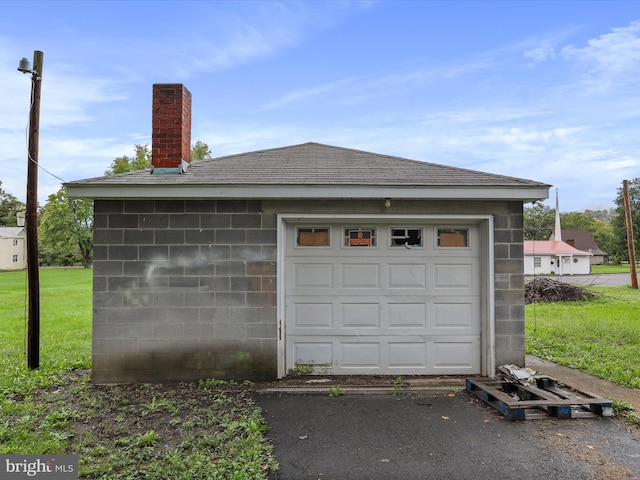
x=456 y=316
x=360 y=275
x=407 y=354
x=407 y=315
x=407 y=276
x=391 y=355
x=453 y=276
x=360 y=315
x=312 y=315
x=455 y=354
x=360 y=355
x=313 y=275
x=317 y=355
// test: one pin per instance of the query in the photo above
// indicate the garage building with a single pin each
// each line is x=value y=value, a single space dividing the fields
x=307 y=259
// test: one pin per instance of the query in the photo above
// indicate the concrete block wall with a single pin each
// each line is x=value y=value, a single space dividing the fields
x=509 y=284
x=183 y=289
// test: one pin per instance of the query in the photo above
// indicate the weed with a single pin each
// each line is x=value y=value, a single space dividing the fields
x=398 y=385
x=336 y=391
x=149 y=438
x=302 y=369
x=625 y=411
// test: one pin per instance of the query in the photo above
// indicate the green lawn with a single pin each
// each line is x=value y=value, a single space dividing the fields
x=611 y=268
x=600 y=337
x=65 y=317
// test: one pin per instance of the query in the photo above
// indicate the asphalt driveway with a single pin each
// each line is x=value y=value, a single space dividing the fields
x=437 y=436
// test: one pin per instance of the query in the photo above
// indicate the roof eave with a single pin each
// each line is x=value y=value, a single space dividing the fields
x=446 y=192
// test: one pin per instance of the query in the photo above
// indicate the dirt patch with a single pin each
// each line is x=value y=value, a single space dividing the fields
x=588 y=448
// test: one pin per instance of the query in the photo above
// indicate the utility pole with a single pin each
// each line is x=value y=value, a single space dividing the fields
x=31 y=216
x=630 y=245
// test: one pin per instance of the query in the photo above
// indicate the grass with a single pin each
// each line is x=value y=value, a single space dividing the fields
x=209 y=429
x=611 y=268
x=600 y=337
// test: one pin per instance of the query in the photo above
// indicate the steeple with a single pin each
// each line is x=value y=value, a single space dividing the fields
x=558 y=233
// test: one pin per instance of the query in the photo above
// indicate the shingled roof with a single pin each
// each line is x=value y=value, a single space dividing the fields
x=580 y=239
x=292 y=170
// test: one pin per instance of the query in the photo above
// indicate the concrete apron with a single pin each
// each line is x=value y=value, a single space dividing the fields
x=385 y=385
x=378 y=385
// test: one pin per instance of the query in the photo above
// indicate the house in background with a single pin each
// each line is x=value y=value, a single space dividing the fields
x=309 y=258
x=554 y=257
x=583 y=240
x=13 y=248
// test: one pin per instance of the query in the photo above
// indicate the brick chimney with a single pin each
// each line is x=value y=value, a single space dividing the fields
x=171 y=128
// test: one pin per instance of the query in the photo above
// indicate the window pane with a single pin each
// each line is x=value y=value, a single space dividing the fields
x=453 y=237
x=406 y=237
x=360 y=237
x=313 y=237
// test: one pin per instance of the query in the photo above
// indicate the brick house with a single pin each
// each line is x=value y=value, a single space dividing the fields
x=309 y=258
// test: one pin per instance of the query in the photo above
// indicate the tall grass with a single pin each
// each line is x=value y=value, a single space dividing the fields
x=600 y=337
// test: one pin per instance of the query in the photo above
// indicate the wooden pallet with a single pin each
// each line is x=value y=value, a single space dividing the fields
x=548 y=398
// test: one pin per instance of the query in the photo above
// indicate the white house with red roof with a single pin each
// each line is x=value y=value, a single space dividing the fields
x=554 y=257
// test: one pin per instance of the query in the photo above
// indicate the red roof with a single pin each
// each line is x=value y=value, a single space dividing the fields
x=550 y=247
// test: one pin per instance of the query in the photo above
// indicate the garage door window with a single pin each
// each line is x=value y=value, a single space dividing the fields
x=359 y=237
x=453 y=237
x=313 y=237
x=406 y=237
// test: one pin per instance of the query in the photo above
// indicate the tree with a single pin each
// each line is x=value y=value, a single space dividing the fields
x=618 y=249
x=200 y=151
x=140 y=161
x=66 y=230
x=599 y=230
x=9 y=207
x=538 y=222
x=142 y=158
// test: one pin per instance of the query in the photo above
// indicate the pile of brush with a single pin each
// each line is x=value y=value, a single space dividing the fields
x=544 y=289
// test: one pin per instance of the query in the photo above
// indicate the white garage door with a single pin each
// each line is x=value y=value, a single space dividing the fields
x=390 y=299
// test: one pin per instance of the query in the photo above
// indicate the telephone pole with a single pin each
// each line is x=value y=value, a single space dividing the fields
x=630 y=245
x=31 y=216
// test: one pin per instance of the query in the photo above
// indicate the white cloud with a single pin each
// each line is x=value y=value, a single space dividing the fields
x=541 y=54
x=612 y=53
x=304 y=94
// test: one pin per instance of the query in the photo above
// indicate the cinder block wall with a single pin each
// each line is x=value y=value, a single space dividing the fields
x=183 y=290
x=509 y=284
